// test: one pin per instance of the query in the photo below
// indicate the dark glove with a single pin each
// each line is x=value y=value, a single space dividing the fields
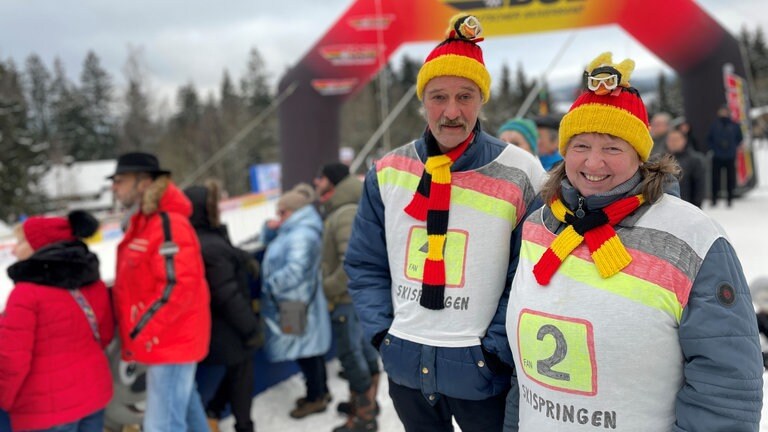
x=494 y=363
x=254 y=340
x=379 y=338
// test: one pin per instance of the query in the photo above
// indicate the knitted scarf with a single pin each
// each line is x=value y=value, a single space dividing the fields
x=431 y=203
x=596 y=227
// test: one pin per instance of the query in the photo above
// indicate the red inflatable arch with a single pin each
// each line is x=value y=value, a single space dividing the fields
x=678 y=31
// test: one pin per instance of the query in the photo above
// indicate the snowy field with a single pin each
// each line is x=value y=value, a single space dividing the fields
x=745 y=224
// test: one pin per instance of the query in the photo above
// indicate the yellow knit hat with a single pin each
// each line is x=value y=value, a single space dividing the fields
x=609 y=106
x=458 y=55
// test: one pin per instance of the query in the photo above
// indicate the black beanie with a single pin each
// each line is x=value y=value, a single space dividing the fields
x=336 y=172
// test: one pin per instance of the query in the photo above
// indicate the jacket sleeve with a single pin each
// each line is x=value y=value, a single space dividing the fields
x=495 y=340
x=267 y=234
x=107 y=318
x=188 y=271
x=227 y=299
x=17 y=340
x=284 y=280
x=712 y=137
x=335 y=281
x=723 y=366
x=367 y=263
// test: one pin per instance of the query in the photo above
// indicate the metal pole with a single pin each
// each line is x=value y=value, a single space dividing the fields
x=535 y=90
x=383 y=79
x=232 y=143
x=384 y=126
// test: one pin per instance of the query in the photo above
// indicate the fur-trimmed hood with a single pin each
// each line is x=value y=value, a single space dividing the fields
x=163 y=195
x=67 y=265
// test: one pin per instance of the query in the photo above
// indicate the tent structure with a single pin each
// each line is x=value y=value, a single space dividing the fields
x=351 y=52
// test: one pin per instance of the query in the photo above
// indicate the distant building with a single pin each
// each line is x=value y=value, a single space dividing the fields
x=79 y=185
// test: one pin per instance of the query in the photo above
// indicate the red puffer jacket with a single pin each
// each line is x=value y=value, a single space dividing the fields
x=179 y=331
x=52 y=370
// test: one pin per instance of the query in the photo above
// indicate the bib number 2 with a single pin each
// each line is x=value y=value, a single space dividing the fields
x=544 y=367
x=557 y=352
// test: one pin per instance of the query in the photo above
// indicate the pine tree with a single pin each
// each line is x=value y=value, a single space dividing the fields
x=138 y=131
x=100 y=137
x=178 y=146
x=254 y=84
x=21 y=158
x=759 y=52
x=231 y=104
x=505 y=83
x=67 y=113
x=669 y=97
x=38 y=94
x=409 y=70
x=523 y=85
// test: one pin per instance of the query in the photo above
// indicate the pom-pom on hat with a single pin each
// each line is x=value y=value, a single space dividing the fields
x=41 y=231
x=526 y=128
x=610 y=106
x=458 y=55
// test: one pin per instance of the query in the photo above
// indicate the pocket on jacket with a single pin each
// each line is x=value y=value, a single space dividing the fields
x=401 y=360
x=471 y=378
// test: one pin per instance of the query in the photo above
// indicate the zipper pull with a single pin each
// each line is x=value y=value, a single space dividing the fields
x=580 y=211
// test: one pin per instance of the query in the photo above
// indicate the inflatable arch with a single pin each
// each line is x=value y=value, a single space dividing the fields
x=678 y=31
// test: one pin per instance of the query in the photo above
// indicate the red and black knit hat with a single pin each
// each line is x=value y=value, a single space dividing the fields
x=609 y=106
x=458 y=55
x=41 y=231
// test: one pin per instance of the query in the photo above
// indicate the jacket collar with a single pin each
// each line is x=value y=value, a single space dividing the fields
x=68 y=265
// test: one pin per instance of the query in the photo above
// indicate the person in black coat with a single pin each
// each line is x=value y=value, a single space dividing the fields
x=227 y=371
x=724 y=140
x=692 y=167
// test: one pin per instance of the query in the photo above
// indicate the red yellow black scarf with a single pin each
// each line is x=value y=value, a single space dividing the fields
x=596 y=227
x=431 y=202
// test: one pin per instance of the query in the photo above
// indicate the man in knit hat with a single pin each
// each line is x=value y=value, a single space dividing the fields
x=520 y=132
x=434 y=249
x=160 y=294
x=629 y=305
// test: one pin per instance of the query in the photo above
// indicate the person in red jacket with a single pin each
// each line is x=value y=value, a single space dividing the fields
x=160 y=293
x=54 y=374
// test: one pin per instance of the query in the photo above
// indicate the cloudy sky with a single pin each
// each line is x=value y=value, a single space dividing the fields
x=183 y=41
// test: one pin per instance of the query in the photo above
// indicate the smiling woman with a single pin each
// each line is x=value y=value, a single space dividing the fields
x=613 y=259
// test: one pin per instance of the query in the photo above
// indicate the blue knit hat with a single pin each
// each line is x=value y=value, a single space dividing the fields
x=526 y=128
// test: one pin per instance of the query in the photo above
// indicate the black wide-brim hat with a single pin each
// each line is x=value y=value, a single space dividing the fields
x=138 y=162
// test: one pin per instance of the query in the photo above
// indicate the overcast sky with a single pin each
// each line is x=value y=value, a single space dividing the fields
x=185 y=41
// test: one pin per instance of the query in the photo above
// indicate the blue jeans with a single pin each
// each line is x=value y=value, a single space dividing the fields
x=173 y=404
x=91 y=423
x=358 y=357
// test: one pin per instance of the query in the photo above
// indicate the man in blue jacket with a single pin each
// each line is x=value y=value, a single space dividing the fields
x=434 y=248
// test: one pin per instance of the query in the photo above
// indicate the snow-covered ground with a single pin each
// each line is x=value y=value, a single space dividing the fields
x=747 y=229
